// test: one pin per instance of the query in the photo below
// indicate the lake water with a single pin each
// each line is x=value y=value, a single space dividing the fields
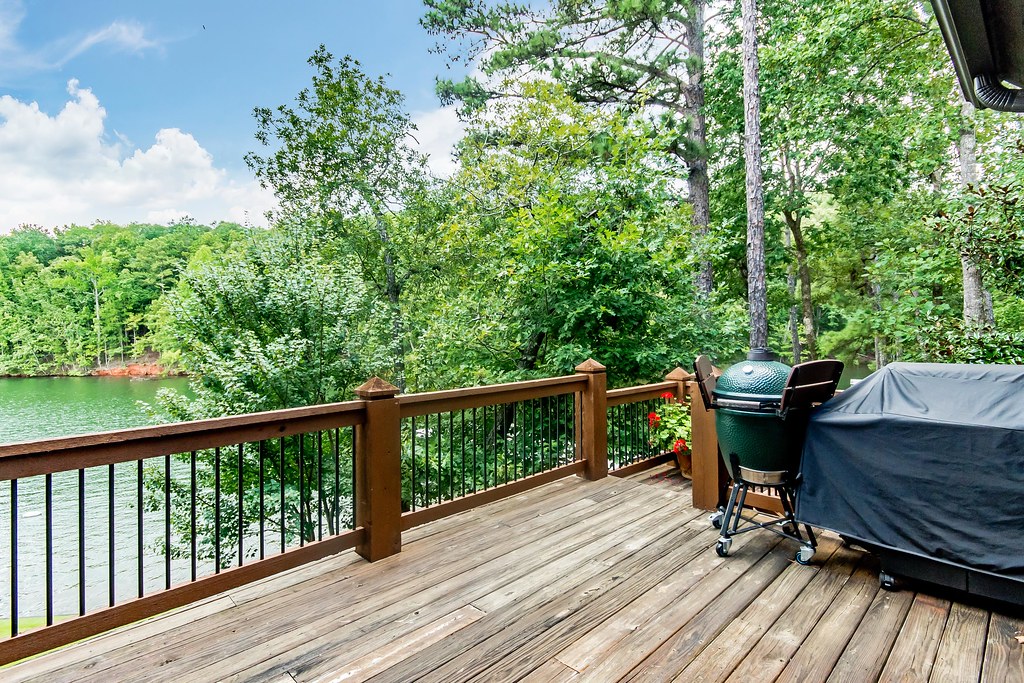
x=35 y=408
x=40 y=407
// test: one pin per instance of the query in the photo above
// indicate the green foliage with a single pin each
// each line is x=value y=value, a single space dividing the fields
x=564 y=244
x=670 y=425
x=270 y=324
x=986 y=221
x=342 y=162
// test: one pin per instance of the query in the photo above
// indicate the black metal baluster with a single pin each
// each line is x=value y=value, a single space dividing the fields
x=483 y=437
x=533 y=435
x=302 y=488
x=14 y=557
x=570 y=425
x=216 y=509
x=545 y=430
x=616 y=436
x=462 y=433
x=504 y=441
x=241 y=512
x=440 y=459
x=81 y=542
x=141 y=541
x=49 y=549
x=262 y=451
x=646 y=444
x=513 y=431
x=426 y=459
x=280 y=480
x=612 y=453
x=110 y=534
x=633 y=424
x=192 y=515
x=320 y=485
x=559 y=428
x=474 y=451
x=337 y=480
x=167 y=522
x=451 y=456
x=412 y=481
x=644 y=428
x=352 y=461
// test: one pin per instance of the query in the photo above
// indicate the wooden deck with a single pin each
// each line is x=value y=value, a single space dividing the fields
x=574 y=581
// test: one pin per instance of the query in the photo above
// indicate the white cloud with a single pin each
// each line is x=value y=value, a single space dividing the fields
x=437 y=132
x=17 y=60
x=130 y=36
x=62 y=169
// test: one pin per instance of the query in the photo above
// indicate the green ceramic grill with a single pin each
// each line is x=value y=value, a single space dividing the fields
x=747 y=421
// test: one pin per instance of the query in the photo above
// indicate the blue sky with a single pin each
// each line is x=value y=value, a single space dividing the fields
x=149 y=89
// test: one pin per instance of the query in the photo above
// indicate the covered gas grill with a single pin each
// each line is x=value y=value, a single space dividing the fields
x=924 y=464
x=761 y=413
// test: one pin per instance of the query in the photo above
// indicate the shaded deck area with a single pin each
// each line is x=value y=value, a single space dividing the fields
x=573 y=581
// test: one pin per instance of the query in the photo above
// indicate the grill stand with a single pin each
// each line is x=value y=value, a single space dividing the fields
x=732 y=522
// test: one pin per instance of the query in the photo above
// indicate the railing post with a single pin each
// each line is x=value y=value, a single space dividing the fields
x=379 y=471
x=680 y=377
x=708 y=471
x=593 y=438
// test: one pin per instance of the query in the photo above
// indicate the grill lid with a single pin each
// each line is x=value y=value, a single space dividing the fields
x=760 y=378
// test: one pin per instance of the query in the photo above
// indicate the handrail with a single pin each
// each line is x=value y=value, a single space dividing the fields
x=488 y=395
x=640 y=393
x=61 y=454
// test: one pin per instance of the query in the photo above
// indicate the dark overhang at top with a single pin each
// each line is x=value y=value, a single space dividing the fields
x=985 y=38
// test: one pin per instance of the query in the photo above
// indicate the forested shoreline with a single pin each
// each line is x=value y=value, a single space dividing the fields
x=85 y=300
x=597 y=211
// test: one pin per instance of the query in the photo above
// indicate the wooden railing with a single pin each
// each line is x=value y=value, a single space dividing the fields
x=180 y=512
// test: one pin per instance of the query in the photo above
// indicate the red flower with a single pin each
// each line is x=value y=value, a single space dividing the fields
x=668 y=395
x=652 y=420
x=680 y=446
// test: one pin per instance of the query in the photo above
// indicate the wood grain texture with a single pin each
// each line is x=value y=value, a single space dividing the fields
x=962 y=648
x=913 y=654
x=1004 y=653
x=606 y=580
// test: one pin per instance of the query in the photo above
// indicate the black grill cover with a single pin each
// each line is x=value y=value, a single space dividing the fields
x=926 y=459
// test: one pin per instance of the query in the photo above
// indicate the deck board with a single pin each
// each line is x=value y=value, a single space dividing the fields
x=612 y=580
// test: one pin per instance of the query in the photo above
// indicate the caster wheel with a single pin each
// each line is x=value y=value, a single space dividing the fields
x=722 y=547
x=716 y=519
x=887 y=581
x=804 y=555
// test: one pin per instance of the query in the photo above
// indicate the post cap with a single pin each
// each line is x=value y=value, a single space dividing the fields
x=678 y=375
x=376 y=387
x=590 y=365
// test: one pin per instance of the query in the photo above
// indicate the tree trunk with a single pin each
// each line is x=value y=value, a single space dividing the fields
x=393 y=291
x=794 y=326
x=975 y=295
x=96 y=321
x=699 y=192
x=756 y=286
x=795 y=225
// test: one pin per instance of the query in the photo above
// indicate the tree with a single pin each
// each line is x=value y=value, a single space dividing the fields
x=564 y=244
x=268 y=325
x=977 y=301
x=344 y=160
x=635 y=54
x=855 y=102
x=756 y=289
